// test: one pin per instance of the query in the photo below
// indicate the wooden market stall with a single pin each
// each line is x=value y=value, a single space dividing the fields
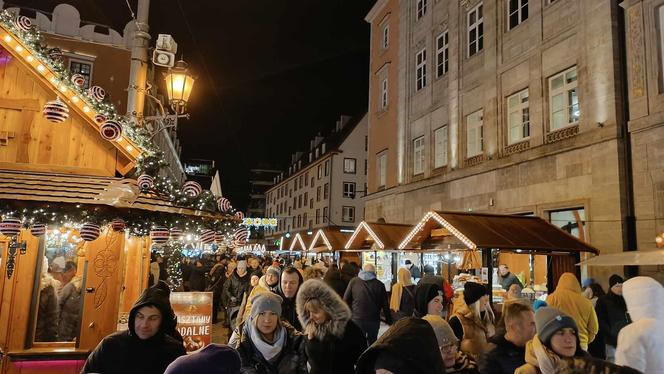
x=328 y=241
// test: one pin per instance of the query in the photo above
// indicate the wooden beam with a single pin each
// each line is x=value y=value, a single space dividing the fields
x=440 y=232
x=20 y=104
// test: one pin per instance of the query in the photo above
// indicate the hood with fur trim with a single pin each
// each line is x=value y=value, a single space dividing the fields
x=330 y=301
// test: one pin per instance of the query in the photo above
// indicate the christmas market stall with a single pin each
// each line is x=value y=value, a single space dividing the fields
x=329 y=240
x=83 y=203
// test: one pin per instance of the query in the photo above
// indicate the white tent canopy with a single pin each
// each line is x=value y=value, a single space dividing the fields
x=627 y=258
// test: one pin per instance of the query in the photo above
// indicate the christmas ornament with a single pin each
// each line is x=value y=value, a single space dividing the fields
x=145 y=182
x=90 y=231
x=159 y=235
x=78 y=80
x=224 y=204
x=207 y=236
x=10 y=226
x=118 y=224
x=55 y=53
x=23 y=23
x=56 y=111
x=110 y=130
x=241 y=235
x=176 y=234
x=38 y=229
x=192 y=188
x=239 y=215
x=219 y=237
x=97 y=92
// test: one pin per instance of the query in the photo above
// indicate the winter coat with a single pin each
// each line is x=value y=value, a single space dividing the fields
x=504 y=358
x=641 y=343
x=288 y=309
x=476 y=330
x=70 y=310
x=366 y=296
x=508 y=280
x=612 y=316
x=124 y=352
x=333 y=279
x=197 y=279
x=415 y=272
x=568 y=299
x=335 y=346
x=410 y=341
x=348 y=272
x=235 y=287
x=291 y=359
x=47 y=315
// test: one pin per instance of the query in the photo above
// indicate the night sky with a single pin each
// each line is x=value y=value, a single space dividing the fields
x=270 y=74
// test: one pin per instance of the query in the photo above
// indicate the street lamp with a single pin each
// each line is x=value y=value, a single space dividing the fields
x=179 y=84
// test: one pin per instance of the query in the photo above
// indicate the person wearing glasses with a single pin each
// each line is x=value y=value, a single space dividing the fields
x=456 y=362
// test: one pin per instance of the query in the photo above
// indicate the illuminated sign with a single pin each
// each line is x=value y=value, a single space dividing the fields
x=260 y=222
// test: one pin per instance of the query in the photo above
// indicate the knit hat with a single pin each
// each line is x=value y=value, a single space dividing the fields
x=212 y=359
x=473 y=291
x=586 y=283
x=275 y=270
x=428 y=269
x=549 y=320
x=615 y=278
x=266 y=302
x=539 y=304
x=444 y=333
x=424 y=293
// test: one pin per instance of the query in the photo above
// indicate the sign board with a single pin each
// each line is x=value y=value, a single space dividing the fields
x=194 y=313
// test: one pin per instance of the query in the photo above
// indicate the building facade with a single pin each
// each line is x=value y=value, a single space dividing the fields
x=509 y=107
x=324 y=186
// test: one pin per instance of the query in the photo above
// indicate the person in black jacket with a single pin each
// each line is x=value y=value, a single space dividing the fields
x=612 y=315
x=145 y=347
x=333 y=279
x=234 y=288
x=289 y=284
x=509 y=350
x=333 y=342
x=197 y=277
x=366 y=296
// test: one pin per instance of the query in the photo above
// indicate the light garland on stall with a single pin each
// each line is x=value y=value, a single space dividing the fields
x=364 y=226
x=320 y=234
x=441 y=221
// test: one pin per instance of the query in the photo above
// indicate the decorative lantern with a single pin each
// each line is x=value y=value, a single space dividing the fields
x=241 y=235
x=23 y=23
x=56 y=111
x=97 y=93
x=224 y=204
x=159 y=235
x=176 y=234
x=78 y=80
x=110 y=130
x=219 y=237
x=100 y=118
x=10 y=226
x=178 y=86
x=192 y=188
x=207 y=236
x=90 y=231
x=118 y=224
x=239 y=215
x=38 y=229
x=145 y=182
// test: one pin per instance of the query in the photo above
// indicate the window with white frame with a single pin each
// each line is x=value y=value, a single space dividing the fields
x=418 y=155
x=385 y=41
x=475 y=133
x=442 y=54
x=349 y=190
x=382 y=169
x=518 y=117
x=563 y=99
x=440 y=147
x=320 y=171
x=475 y=21
x=421 y=8
x=383 y=94
x=83 y=68
x=517 y=12
x=420 y=69
x=348 y=214
x=350 y=165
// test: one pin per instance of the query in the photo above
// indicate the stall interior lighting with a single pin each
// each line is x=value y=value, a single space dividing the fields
x=440 y=221
x=365 y=226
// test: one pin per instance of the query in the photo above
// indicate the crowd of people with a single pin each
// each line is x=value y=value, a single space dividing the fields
x=321 y=318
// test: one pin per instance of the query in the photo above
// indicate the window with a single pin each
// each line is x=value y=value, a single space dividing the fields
x=348 y=214
x=304 y=219
x=421 y=8
x=573 y=221
x=306 y=198
x=349 y=190
x=382 y=169
x=327 y=167
x=295 y=184
x=301 y=181
x=474 y=133
x=326 y=190
x=312 y=181
x=294 y=221
x=317 y=216
x=306 y=179
x=418 y=155
x=563 y=100
x=442 y=54
x=83 y=68
x=440 y=147
x=311 y=204
x=383 y=94
x=320 y=171
x=325 y=217
x=385 y=42
x=366 y=166
x=518 y=117
x=421 y=69
x=517 y=12
x=299 y=201
x=295 y=202
x=318 y=193
x=299 y=220
x=475 y=30
x=349 y=165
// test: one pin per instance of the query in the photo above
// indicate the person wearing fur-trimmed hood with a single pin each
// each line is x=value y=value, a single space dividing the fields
x=333 y=341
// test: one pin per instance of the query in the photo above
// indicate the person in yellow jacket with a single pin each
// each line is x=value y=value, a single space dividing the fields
x=569 y=299
x=267 y=283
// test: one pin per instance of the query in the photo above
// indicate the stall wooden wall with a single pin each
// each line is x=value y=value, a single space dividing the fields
x=137 y=266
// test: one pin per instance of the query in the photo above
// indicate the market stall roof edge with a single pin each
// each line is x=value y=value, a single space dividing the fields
x=328 y=239
x=385 y=235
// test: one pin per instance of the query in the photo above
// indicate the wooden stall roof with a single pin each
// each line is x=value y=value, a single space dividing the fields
x=77 y=189
x=328 y=239
x=300 y=241
x=384 y=235
x=497 y=231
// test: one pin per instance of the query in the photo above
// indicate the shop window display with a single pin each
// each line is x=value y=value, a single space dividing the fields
x=383 y=262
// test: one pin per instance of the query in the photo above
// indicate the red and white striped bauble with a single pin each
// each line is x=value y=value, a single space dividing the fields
x=56 y=111
x=78 y=80
x=97 y=93
x=118 y=224
x=110 y=130
x=239 y=215
x=90 y=231
x=176 y=234
x=38 y=229
x=159 y=235
x=100 y=118
x=23 y=23
x=219 y=237
x=10 y=226
x=224 y=204
x=145 y=182
x=241 y=235
x=207 y=236
x=192 y=188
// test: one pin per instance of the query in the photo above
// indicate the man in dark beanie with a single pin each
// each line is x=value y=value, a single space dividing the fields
x=146 y=347
x=212 y=359
x=612 y=315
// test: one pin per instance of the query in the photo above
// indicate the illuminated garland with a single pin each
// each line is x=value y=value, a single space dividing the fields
x=173 y=253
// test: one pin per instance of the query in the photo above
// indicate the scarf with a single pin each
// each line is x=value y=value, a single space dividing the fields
x=267 y=350
x=462 y=364
x=547 y=360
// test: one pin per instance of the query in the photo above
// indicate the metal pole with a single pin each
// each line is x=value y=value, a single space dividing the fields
x=139 y=62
